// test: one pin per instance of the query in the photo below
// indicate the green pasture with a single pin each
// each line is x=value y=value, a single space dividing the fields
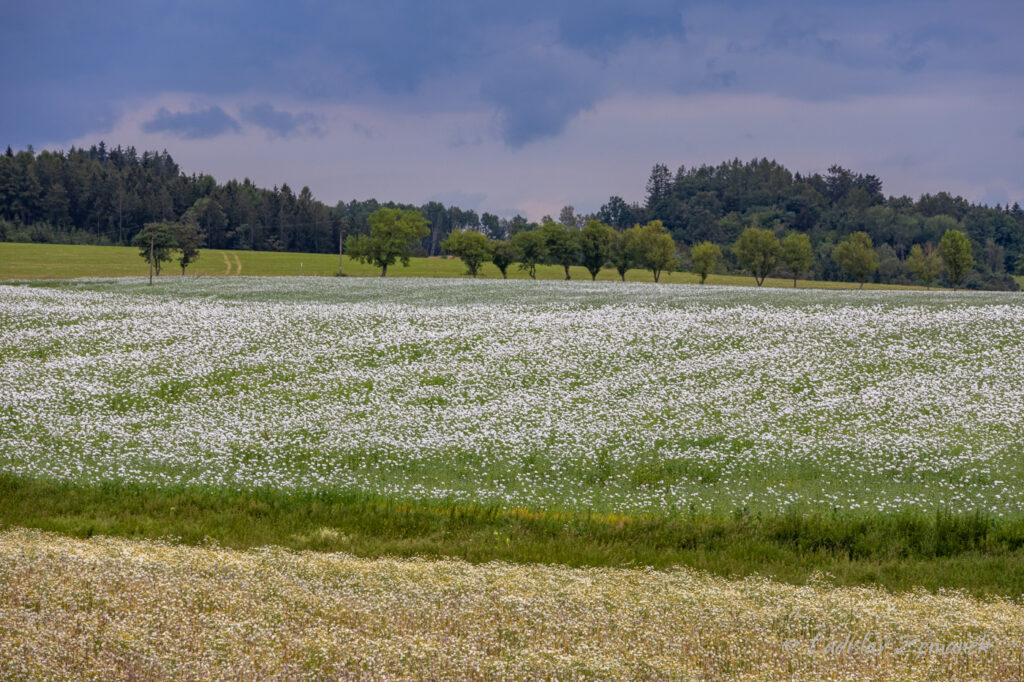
x=20 y=261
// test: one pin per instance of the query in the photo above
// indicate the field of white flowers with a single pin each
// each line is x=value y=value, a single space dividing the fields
x=108 y=608
x=607 y=396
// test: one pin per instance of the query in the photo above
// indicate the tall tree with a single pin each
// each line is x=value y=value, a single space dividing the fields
x=567 y=216
x=392 y=233
x=705 y=257
x=659 y=185
x=656 y=249
x=503 y=254
x=925 y=263
x=470 y=246
x=797 y=254
x=596 y=240
x=188 y=238
x=562 y=243
x=616 y=213
x=623 y=254
x=758 y=250
x=857 y=256
x=532 y=249
x=155 y=242
x=957 y=255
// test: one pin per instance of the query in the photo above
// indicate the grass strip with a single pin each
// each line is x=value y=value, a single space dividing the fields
x=979 y=554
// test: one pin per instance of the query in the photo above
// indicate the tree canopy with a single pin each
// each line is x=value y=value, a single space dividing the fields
x=392 y=233
x=758 y=250
x=705 y=257
x=957 y=255
x=471 y=247
x=857 y=257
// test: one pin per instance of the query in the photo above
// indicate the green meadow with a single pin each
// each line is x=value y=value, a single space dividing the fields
x=19 y=261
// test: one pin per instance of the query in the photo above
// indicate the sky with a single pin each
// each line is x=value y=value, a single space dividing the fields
x=526 y=106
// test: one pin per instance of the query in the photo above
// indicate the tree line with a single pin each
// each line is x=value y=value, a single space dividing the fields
x=597 y=245
x=108 y=196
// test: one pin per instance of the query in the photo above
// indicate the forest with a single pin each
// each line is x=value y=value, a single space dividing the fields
x=107 y=195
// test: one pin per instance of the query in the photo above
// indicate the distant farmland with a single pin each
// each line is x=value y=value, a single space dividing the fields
x=61 y=261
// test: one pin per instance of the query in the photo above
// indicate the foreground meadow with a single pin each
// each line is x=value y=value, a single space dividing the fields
x=872 y=435
x=117 y=609
x=543 y=395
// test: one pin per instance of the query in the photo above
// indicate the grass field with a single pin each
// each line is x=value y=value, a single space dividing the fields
x=60 y=261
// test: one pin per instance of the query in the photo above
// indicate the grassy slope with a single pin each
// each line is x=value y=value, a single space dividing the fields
x=61 y=261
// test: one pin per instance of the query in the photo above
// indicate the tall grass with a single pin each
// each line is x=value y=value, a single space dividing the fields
x=898 y=551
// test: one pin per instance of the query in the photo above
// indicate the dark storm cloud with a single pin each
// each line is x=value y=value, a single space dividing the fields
x=193 y=125
x=535 y=64
x=279 y=122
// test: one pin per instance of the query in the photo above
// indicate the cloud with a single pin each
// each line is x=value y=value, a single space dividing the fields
x=605 y=26
x=192 y=125
x=610 y=148
x=536 y=64
x=539 y=91
x=281 y=123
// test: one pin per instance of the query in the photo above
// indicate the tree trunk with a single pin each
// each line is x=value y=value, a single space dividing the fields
x=794 y=282
x=152 y=239
x=341 y=246
x=566 y=272
x=384 y=271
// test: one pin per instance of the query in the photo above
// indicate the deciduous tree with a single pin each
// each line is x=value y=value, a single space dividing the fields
x=562 y=244
x=758 y=250
x=472 y=247
x=532 y=248
x=596 y=240
x=857 y=256
x=392 y=234
x=797 y=254
x=705 y=257
x=957 y=255
x=924 y=263
x=503 y=254
x=155 y=242
x=656 y=250
x=188 y=239
x=623 y=254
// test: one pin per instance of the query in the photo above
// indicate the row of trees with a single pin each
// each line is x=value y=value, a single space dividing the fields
x=596 y=245
x=101 y=195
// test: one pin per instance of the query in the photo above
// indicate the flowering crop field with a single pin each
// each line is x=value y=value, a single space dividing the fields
x=762 y=433
x=604 y=397
x=108 y=608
